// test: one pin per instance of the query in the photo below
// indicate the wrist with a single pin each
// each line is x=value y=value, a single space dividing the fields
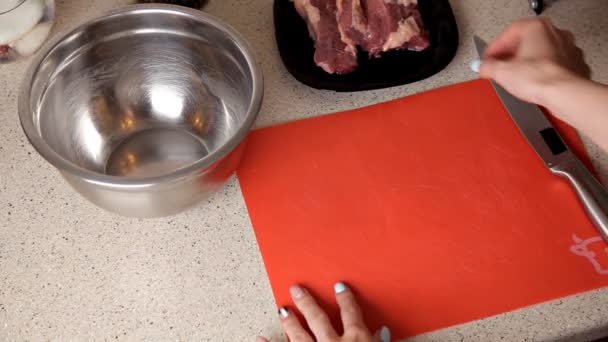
x=556 y=87
x=568 y=97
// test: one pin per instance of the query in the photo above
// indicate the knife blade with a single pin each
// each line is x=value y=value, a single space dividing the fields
x=554 y=152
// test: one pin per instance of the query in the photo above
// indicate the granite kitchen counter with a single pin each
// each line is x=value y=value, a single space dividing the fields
x=71 y=271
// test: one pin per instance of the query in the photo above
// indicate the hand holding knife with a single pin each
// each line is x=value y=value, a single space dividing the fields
x=555 y=153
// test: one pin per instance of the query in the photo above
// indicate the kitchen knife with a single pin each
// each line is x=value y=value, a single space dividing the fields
x=552 y=149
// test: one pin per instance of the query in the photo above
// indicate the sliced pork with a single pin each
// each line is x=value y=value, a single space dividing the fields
x=332 y=53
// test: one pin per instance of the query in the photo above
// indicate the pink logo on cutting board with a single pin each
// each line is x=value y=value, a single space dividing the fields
x=594 y=249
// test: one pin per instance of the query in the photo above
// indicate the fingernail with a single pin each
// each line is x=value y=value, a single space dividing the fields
x=385 y=334
x=283 y=312
x=476 y=65
x=340 y=287
x=296 y=292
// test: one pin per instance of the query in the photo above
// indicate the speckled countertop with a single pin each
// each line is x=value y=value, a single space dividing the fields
x=70 y=271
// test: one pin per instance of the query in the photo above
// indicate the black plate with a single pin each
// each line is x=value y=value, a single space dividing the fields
x=391 y=69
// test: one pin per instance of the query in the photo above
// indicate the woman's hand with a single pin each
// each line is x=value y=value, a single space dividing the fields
x=530 y=55
x=540 y=63
x=355 y=329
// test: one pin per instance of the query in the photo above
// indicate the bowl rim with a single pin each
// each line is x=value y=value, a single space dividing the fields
x=200 y=166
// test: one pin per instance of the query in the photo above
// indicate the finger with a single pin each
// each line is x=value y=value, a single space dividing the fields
x=383 y=335
x=317 y=319
x=261 y=339
x=292 y=327
x=505 y=45
x=491 y=68
x=502 y=71
x=522 y=78
x=349 y=308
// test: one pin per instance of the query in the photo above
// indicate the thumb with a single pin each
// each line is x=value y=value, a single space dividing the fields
x=491 y=68
x=383 y=335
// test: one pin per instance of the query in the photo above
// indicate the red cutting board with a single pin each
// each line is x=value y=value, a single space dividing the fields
x=432 y=207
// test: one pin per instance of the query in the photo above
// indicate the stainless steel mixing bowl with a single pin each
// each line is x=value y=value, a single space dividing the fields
x=143 y=111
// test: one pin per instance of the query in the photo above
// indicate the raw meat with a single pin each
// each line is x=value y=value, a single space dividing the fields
x=393 y=24
x=339 y=26
x=332 y=53
x=352 y=21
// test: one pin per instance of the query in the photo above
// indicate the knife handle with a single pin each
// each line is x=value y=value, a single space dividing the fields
x=589 y=190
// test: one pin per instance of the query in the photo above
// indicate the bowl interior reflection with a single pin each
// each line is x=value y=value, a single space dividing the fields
x=143 y=102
